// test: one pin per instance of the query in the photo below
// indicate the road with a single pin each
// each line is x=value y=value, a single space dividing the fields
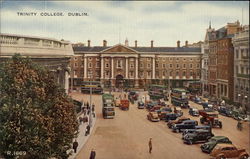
x=127 y=135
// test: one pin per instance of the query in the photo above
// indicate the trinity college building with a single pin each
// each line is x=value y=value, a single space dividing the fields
x=127 y=66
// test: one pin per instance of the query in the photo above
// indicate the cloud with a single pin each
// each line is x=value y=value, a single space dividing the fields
x=163 y=22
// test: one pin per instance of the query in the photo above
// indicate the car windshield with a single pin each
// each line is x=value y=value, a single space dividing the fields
x=212 y=140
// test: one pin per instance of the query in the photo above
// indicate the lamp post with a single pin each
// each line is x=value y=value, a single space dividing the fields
x=239 y=95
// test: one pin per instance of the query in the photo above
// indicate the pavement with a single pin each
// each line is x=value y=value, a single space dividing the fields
x=81 y=138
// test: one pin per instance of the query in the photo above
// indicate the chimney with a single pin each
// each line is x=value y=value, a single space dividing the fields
x=152 y=43
x=88 y=43
x=178 y=43
x=104 y=43
x=186 y=43
x=135 y=43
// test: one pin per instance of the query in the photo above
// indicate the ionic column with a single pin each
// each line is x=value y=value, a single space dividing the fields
x=136 y=68
x=112 y=67
x=66 y=86
x=126 y=67
x=85 y=67
x=153 y=68
x=102 y=67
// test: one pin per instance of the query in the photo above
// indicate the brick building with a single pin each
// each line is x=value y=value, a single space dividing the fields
x=221 y=59
x=126 y=66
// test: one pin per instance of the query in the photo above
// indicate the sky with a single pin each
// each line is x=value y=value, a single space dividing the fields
x=164 y=22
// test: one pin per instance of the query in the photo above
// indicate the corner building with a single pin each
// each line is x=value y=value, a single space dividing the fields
x=122 y=66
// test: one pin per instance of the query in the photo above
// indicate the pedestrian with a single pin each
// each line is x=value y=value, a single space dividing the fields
x=75 y=145
x=87 y=105
x=88 y=111
x=80 y=119
x=92 y=154
x=93 y=108
x=150 y=145
x=87 y=130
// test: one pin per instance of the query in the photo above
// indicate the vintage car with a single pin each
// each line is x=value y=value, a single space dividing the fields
x=209 y=146
x=178 y=111
x=177 y=121
x=153 y=116
x=140 y=105
x=154 y=108
x=171 y=116
x=187 y=124
x=198 y=136
x=225 y=111
x=222 y=151
x=198 y=127
x=193 y=112
x=150 y=104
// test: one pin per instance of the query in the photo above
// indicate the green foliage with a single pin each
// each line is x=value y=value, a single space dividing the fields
x=36 y=115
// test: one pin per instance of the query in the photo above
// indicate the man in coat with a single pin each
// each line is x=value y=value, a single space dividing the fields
x=92 y=154
x=150 y=145
x=75 y=145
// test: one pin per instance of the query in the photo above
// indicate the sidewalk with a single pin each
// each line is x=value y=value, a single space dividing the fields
x=81 y=138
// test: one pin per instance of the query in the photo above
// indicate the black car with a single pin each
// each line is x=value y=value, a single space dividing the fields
x=225 y=111
x=171 y=116
x=187 y=124
x=198 y=136
x=140 y=105
x=193 y=112
x=198 y=127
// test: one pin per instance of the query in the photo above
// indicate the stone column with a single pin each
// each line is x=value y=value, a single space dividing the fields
x=112 y=67
x=102 y=67
x=126 y=67
x=66 y=86
x=136 y=68
x=153 y=73
x=85 y=67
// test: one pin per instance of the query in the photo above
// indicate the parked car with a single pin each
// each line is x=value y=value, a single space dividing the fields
x=198 y=127
x=154 y=108
x=193 y=112
x=222 y=151
x=225 y=111
x=153 y=116
x=177 y=121
x=198 y=136
x=209 y=146
x=140 y=105
x=150 y=105
x=178 y=111
x=171 y=116
x=187 y=124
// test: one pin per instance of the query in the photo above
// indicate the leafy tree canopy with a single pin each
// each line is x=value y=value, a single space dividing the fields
x=36 y=116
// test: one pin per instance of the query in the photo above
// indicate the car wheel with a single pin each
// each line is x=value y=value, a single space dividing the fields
x=244 y=156
x=190 y=142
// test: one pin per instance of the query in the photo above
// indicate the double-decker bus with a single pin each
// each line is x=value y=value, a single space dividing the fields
x=94 y=85
x=108 y=109
x=158 y=92
x=179 y=97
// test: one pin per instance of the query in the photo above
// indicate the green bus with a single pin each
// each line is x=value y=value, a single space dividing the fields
x=157 y=92
x=108 y=107
x=179 y=97
x=94 y=86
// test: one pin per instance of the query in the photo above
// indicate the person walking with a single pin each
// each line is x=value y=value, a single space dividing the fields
x=87 y=130
x=75 y=145
x=92 y=154
x=93 y=108
x=150 y=145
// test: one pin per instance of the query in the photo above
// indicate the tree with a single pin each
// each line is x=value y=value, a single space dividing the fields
x=36 y=116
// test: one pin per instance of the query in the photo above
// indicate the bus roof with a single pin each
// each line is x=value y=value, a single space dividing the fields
x=107 y=95
x=156 y=85
x=179 y=90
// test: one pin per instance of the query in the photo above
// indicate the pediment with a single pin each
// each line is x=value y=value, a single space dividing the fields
x=119 y=49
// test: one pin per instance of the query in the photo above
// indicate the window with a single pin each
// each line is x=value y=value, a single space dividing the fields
x=107 y=73
x=131 y=73
x=119 y=64
x=191 y=73
x=148 y=59
x=184 y=59
x=170 y=59
x=157 y=65
x=237 y=53
x=141 y=65
x=163 y=73
x=242 y=70
x=170 y=73
x=97 y=64
x=163 y=65
x=90 y=65
x=107 y=65
x=170 y=65
x=131 y=65
x=191 y=65
x=198 y=65
x=82 y=65
x=184 y=65
x=90 y=58
x=177 y=73
x=184 y=73
x=149 y=65
x=75 y=58
x=177 y=59
x=149 y=73
x=177 y=65
x=75 y=64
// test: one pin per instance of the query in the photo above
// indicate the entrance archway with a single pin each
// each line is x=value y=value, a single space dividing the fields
x=119 y=81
